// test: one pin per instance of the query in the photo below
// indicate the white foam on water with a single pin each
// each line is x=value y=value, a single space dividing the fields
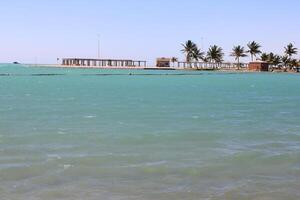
x=61 y=133
x=89 y=116
x=54 y=156
x=67 y=167
x=284 y=113
x=148 y=164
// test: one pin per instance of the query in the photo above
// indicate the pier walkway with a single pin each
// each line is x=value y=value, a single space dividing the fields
x=208 y=65
x=103 y=62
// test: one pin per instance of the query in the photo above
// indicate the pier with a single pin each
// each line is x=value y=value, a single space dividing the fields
x=208 y=65
x=103 y=62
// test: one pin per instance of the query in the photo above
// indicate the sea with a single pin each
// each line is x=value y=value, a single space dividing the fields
x=68 y=134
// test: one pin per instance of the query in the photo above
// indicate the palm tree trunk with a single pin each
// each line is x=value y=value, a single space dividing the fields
x=238 y=63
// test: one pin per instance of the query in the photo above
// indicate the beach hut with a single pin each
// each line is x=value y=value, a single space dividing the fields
x=163 y=62
x=258 y=66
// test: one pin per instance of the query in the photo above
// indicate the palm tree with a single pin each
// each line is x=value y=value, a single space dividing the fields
x=197 y=54
x=294 y=63
x=276 y=60
x=286 y=60
x=173 y=60
x=264 y=57
x=290 y=50
x=215 y=54
x=238 y=52
x=254 y=49
x=271 y=57
x=188 y=49
x=205 y=59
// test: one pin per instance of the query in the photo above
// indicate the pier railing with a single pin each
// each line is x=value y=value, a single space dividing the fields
x=209 y=65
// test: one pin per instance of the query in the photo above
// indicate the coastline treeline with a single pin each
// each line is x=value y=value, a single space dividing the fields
x=215 y=54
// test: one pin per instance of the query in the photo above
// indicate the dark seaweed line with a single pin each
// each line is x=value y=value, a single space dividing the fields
x=140 y=74
x=33 y=74
x=101 y=74
x=129 y=74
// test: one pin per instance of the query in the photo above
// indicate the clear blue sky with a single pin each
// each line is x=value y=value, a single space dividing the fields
x=140 y=29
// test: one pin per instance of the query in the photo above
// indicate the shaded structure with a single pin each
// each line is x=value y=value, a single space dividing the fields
x=259 y=66
x=163 y=62
x=102 y=62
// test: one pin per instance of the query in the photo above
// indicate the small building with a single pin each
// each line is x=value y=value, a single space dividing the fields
x=298 y=67
x=258 y=66
x=163 y=62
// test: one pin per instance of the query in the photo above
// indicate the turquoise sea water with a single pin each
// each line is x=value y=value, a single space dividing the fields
x=141 y=135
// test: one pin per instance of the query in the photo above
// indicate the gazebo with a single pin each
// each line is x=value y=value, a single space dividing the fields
x=163 y=62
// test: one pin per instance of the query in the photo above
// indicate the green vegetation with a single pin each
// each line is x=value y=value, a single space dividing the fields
x=254 y=49
x=215 y=54
x=174 y=60
x=188 y=49
x=197 y=54
x=238 y=52
x=192 y=52
x=286 y=61
x=290 y=50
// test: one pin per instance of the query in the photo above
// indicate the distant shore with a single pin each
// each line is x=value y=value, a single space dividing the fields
x=133 y=68
x=152 y=68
